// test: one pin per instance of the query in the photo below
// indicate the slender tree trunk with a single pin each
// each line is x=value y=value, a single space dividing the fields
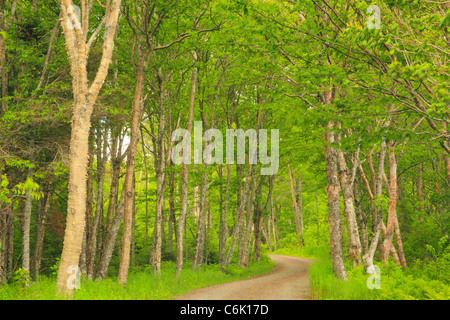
x=160 y=174
x=447 y=166
x=5 y=218
x=266 y=234
x=184 y=173
x=53 y=38
x=10 y=244
x=391 y=248
x=354 y=243
x=116 y=161
x=257 y=255
x=392 y=203
x=296 y=208
x=223 y=232
x=362 y=219
x=318 y=220
x=172 y=225
x=40 y=233
x=378 y=218
x=299 y=199
x=129 y=177
x=26 y=226
x=249 y=217
x=92 y=241
x=110 y=240
x=272 y=214
x=238 y=226
x=392 y=226
x=241 y=211
x=334 y=213
x=4 y=29
x=199 y=253
x=258 y=217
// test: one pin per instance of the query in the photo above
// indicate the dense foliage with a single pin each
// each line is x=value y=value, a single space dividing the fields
x=346 y=83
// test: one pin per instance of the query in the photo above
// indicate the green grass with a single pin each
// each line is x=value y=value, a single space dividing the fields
x=396 y=283
x=142 y=284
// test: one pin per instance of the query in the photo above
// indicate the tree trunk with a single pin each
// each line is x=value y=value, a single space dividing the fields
x=362 y=219
x=6 y=216
x=318 y=220
x=447 y=166
x=354 y=243
x=92 y=241
x=334 y=213
x=26 y=226
x=377 y=217
x=84 y=99
x=40 y=233
x=257 y=255
x=129 y=177
x=184 y=172
x=240 y=201
x=172 y=225
x=296 y=210
x=392 y=221
x=89 y=207
x=299 y=200
x=110 y=240
x=199 y=253
x=272 y=217
x=223 y=232
x=160 y=174
x=241 y=227
x=249 y=217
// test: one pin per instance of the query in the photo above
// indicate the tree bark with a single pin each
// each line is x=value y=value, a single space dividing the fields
x=447 y=166
x=378 y=218
x=241 y=231
x=129 y=177
x=84 y=99
x=223 y=232
x=110 y=240
x=296 y=210
x=89 y=207
x=40 y=233
x=26 y=226
x=184 y=172
x=392 y=221
x=334 y=214
x=199 y=253
x=92 y=241
x=354 y=243
x=160 y=173
x=362 y=218
x=250 y=216
x=238 y=225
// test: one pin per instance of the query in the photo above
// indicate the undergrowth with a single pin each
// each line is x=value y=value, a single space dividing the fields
x=425 y=280
x=142 y=283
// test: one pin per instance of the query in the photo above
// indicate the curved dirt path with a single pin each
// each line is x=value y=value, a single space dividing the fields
x=288 y=281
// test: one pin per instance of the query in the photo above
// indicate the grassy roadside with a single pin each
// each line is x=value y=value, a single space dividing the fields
x=142 y=284
x=395 y=283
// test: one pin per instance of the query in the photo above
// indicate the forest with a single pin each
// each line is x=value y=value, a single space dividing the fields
x=152 y=147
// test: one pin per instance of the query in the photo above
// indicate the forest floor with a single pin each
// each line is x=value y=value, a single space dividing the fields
x=289 y=280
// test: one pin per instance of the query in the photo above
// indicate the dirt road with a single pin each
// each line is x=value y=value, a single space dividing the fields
x=288 y=281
